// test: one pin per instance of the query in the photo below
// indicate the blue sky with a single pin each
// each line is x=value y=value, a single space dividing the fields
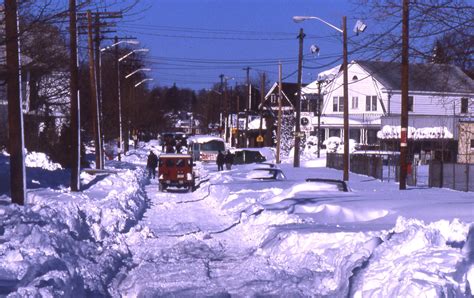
x=192 y=42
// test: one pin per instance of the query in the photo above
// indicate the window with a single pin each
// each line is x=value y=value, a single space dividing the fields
x=472 y=144
x=333 y=132
x=410 y=103
x=338 y=104
x=464 y=105
x=273 y=99
x=355 y=78
x=355 y=102
x=371 y=103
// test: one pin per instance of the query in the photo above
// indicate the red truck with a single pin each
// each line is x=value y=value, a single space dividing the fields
x=176 y=170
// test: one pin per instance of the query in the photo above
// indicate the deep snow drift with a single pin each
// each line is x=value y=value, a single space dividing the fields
x=233 y=235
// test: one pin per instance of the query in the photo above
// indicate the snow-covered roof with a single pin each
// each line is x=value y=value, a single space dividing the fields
x=393 y=132
x=201 y=139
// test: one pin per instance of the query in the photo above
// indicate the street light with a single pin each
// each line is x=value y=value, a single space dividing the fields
x=127 y=41
x=360 y=27
x=135 y=71
x=131 y=52
x=121 y=138
x=143 y=81
x=114 y=45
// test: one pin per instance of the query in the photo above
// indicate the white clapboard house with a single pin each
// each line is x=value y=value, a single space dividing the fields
x=439 y=96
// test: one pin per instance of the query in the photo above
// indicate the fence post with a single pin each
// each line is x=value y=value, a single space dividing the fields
x=467 y=176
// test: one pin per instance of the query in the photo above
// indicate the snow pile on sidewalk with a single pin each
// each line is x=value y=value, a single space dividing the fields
x=346 y=246
x=40 y=160
x=69 y=244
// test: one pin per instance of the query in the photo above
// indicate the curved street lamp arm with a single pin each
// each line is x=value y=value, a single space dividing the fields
x=298 y=19
x=143 y=81
x=135 y=71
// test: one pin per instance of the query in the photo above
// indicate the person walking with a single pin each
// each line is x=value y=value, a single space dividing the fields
x=229 y=160
x=151 y=164
x=220 y=161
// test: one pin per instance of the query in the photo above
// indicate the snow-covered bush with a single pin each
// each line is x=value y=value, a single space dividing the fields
x=332 y=143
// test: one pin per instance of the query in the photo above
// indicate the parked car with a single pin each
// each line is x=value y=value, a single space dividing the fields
x=246 y=156
x=266 y=174
x=176 y=170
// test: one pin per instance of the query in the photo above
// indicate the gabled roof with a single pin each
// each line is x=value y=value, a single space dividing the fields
x=289 y=91
x=422 y=77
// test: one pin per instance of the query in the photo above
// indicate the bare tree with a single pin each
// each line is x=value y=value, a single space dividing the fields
x=448 y=21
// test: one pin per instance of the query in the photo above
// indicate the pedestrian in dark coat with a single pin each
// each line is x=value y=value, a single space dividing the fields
x=151 y=164
x=220 y=160
x=229 y=160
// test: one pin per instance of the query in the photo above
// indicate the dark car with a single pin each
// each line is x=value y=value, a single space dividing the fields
x=244 y=156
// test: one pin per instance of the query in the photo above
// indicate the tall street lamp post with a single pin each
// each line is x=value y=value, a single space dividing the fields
x=123 y=143
x=115 y=45
x=132 y=101
x=360 y=27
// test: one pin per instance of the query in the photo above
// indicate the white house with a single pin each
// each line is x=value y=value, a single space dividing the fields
x=437 y=93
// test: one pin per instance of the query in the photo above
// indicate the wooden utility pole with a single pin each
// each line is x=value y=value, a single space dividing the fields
x=221 y=112
x=249 y=105
x=296 y=157
x=237 y=133
x=404 y=94
x=279 y=114
x=94 y=96
x=318 y=111
x=98 y=75
x=346 y=100
x=75 y=115
x=262 y=100
x=15 y=115
x=119 y=98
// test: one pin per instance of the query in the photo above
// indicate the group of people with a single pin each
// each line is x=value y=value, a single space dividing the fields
x=226 y=159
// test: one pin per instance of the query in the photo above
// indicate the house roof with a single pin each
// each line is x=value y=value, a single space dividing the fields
x=422 y=77
x=288 y=89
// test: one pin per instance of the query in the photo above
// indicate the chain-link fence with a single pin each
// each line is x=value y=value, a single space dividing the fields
x=380 y=165
x=452 y=175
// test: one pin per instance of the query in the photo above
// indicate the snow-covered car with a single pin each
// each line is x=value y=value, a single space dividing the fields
x=340 y=185
x=266 y=174
x=246 y=156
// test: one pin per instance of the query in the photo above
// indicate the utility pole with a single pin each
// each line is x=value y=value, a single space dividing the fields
x=98 y=75
x=221 y=112
x=319 y=110
x=228 y=132
x=237 y=133
x=404 y=94
x=94 y=96
x=346 y=101
x=15 y=115
x=279 y=114
x=249 y=104
x=296 y=159
x=75 y=99
x=119 y=99
x=262 y=100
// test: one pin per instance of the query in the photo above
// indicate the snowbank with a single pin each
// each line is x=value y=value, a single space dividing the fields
x=69 y=244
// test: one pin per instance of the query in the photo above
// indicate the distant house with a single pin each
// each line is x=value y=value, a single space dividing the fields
x=438 y=96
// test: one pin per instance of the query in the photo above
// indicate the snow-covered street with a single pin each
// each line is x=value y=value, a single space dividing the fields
x=236 y=236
